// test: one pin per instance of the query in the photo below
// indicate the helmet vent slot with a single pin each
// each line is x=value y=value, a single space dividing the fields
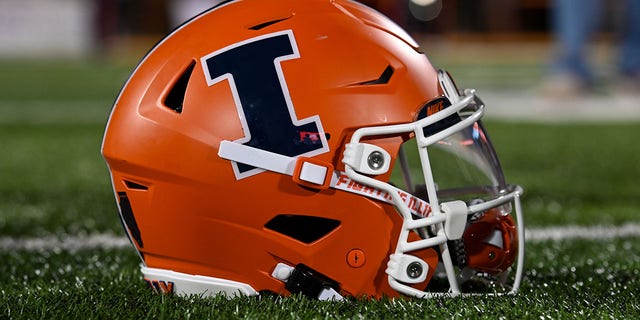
x=175 y=98
x=306 y=229
x=383 y=79
x=135 y=186
x=268 y=23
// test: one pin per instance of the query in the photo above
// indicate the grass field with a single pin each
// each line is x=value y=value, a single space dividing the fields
x=54 y=183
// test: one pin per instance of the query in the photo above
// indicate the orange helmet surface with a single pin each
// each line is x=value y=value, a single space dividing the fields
x=291 y=146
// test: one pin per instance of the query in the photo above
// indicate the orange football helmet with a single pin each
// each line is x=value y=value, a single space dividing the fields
x=309 y=147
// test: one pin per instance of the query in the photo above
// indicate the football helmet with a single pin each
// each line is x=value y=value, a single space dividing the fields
x=307 y=147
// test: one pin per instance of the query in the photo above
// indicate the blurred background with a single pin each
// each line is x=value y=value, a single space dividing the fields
x=499 y=46
x=75 y=28
x=80 y=28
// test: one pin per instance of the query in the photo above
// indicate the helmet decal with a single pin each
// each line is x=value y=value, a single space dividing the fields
x=269 y=121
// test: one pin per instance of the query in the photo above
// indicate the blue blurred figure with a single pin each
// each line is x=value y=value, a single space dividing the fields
x=574 y=23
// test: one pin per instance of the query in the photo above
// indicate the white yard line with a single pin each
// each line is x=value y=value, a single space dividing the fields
x=588 y=233
x=64 y=243
x=110 y=241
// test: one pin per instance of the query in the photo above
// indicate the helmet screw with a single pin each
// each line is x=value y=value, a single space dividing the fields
x=375 y=160
x=414 y=270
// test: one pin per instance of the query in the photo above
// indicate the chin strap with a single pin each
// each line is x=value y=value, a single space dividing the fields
x=317 y=174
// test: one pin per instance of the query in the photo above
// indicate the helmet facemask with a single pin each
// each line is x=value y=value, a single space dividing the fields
x=450 y=164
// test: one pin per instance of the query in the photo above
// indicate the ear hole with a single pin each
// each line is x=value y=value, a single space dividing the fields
x=175 y=98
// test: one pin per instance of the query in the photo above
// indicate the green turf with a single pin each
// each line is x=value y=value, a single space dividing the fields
x=53 y=181
x=584 y=279
x=573 y=173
